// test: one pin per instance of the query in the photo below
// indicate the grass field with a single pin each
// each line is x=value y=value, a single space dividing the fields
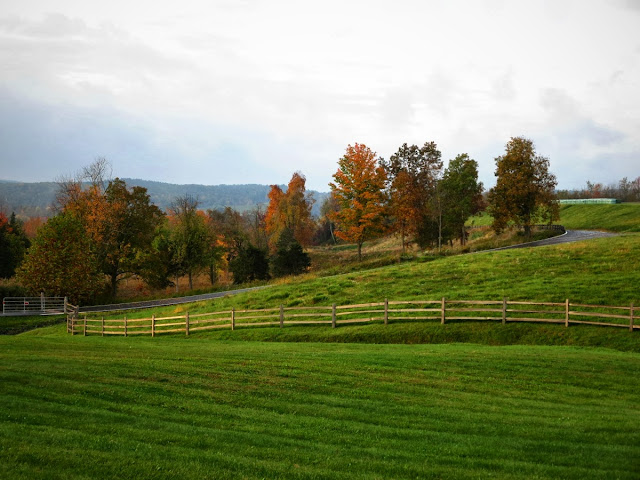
x=76 y=407
x=622 y=217
x=409 y=400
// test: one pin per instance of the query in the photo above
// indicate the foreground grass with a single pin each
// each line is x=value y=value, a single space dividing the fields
x=75 y=407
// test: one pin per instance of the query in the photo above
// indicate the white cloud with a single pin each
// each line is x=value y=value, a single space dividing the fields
x=274 y=87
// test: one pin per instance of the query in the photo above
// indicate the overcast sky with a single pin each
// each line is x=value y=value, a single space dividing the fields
x=249 y=91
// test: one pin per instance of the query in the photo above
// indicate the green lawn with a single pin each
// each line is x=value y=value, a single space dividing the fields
x=174 y=407
x=622 y=217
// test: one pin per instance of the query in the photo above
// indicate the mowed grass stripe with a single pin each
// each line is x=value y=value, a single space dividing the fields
x=193 y=408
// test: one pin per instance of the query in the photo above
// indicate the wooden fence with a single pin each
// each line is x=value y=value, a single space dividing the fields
x=441 y=311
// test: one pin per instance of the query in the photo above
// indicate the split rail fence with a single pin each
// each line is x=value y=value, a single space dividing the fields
x=441 y=311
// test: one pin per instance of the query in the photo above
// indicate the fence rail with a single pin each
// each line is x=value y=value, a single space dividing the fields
x=441 y=311
x=34 y=305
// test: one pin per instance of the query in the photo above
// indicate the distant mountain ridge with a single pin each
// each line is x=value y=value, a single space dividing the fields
x=35 y=198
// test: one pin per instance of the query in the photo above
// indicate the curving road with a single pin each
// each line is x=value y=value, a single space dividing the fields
x=569 y=236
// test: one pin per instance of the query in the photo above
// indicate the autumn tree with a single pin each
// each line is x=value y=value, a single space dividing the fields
x=461 y=195
x=524 y=191
x=290 y=210
x=120 y=221
x=122 y=224
x=57 y=262
x=413 y=174
x=359 y=191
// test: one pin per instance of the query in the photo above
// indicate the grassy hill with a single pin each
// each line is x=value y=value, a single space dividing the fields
x=603 y=271
x=223 y=405
x=621 y=217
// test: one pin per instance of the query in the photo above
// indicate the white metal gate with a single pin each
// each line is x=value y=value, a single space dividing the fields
x=34 y=305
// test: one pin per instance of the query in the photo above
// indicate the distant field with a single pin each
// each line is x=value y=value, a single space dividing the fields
x=88 y=407
x=622 y=217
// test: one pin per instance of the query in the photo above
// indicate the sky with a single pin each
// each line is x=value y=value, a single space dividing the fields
x=250 y=91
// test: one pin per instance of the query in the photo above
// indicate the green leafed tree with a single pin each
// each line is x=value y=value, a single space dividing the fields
x=13 y=245
x=413 y=174
x=525 y=189
x=190 y=236
x=461 y=195
x=60 y=262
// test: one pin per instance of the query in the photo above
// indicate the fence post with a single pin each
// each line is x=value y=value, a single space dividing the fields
x=186 y=324
x=65 y=305
x=631 y=318
x=386 y=311
x=103 y=326
x=442 y=319
x=333 y=316
x=504 y=310
x=153 y=325
x=43 y=304
x=566 y=313
x=233 y=319
x=125 y=325
x=73 y=324
x=84 y=327
x=281 y=315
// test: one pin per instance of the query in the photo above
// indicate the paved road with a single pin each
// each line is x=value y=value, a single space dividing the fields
x=569 y=236
x=165 y=301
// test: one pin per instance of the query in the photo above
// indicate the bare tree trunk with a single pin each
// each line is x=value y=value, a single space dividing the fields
x=190 y=280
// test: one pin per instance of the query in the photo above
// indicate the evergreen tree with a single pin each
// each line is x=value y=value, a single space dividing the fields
x=290 y=258
x=250 y=264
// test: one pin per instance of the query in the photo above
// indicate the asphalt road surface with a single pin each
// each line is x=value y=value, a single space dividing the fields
x=569 y=236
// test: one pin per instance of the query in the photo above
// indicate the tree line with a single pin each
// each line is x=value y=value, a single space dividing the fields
x=624 y=190
x=106 y=230
x=412 y=195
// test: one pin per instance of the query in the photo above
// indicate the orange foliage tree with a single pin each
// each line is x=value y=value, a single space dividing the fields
x=358 y=188
x=120 y=221
x=290 y=210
